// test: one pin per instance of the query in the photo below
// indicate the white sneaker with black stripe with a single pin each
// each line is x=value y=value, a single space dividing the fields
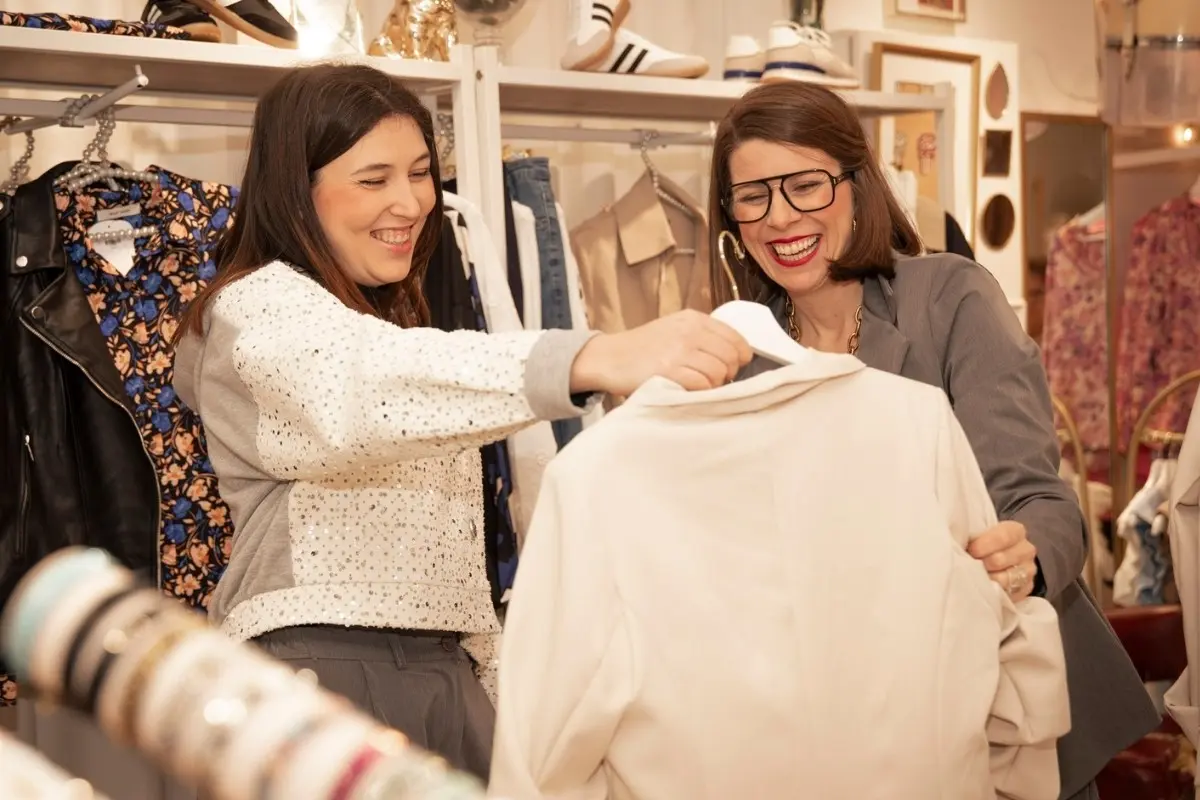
x=593 y=23
x=635 y=55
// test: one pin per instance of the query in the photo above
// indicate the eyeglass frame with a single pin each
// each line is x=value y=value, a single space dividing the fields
x=834 y=181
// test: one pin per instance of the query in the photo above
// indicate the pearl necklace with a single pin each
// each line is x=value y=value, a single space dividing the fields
x=112 y=237
x=851 y=342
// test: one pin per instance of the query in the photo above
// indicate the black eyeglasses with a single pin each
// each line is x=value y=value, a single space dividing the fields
x=805 y=191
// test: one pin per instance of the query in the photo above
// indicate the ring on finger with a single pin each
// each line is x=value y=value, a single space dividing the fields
x=1016 y=578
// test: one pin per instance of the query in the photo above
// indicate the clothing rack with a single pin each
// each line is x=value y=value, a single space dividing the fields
x=1144 y=435
x=49 y=113
x=61 y=114
x=1157 y=157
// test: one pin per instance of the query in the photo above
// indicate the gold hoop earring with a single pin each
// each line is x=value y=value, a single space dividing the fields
x=738 y=251
x=854 y=225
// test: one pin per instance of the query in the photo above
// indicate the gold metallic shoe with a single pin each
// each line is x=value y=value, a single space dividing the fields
x=421 y=29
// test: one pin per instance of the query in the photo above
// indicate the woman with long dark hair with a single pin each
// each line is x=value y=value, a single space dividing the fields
x=344 y=431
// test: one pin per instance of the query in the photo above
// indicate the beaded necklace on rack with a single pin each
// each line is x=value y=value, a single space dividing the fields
x=19 y=172
x=851 y=342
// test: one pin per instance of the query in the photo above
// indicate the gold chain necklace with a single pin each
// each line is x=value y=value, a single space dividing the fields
x=851 y=343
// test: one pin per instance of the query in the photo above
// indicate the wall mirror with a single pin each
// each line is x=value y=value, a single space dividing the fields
x=1065 y=170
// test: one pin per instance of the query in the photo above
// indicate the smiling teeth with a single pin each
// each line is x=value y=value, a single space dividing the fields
x=393 y=237
x=800 y=247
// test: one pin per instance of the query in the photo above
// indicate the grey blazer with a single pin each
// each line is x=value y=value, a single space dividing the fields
x=944 y=321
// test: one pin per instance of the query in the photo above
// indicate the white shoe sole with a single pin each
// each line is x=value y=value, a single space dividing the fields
x=807 y=76
x=582 y=56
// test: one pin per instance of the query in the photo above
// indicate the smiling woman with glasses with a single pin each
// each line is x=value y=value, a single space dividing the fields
x=821 y=239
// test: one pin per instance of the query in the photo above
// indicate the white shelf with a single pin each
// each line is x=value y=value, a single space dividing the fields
x=32 y=58
x=559 y=92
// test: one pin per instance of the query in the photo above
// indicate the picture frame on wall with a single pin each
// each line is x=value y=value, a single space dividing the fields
x=953 y=10
x=909 y=141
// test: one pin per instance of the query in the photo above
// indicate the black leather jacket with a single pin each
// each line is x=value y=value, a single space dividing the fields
x=73 y=470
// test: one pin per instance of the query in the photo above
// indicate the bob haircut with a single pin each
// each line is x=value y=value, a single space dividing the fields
x=310 y=117
x=808 y=115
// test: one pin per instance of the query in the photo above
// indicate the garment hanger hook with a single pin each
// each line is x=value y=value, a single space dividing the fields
x=738 y=251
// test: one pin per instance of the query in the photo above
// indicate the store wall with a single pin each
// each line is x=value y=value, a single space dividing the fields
x=1055 y=75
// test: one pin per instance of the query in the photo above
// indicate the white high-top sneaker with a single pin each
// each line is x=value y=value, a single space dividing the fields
x=797 y=53
x=744 y=59
x=593 y=24
x=635 y=55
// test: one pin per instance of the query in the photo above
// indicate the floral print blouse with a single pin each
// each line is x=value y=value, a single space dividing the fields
x=1159 y=336
x=1075 y=332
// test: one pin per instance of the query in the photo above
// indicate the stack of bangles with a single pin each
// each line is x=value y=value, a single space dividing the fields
x=217 y=715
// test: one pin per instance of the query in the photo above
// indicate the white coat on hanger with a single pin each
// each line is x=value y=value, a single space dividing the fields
x=842 y=607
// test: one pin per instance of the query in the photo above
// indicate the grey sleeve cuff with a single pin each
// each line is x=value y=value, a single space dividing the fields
x=548 y=375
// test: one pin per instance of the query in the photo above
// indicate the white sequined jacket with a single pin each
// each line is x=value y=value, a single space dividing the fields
x=346 y=448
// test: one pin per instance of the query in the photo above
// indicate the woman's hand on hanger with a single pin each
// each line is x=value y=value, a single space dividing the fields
x=687 y=347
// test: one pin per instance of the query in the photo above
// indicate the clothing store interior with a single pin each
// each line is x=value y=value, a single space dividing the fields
x=598 y=493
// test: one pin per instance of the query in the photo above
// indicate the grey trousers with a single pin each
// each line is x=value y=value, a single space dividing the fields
x=420 y=683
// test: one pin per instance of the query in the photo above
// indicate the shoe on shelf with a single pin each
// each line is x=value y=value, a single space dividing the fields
x=744 y=59
x=798 y=53
x=421 y=30
x=182 y=14
x=635 y=55
x=593 y=24
x=258 y=19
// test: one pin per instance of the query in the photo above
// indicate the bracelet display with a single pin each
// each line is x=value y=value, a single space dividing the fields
x=28 y=775
x=220 y=716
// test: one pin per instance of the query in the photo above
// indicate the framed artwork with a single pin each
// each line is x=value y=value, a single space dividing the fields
x=909 y=141
x=997 y=153
x=954 y=10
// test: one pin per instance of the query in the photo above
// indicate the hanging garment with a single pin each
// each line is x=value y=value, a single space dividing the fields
x=1142 y=577
x=1159 y=337
x=512 y=258
x=1183 y=698
x=453 y=296
x=138 y=313
x=99 y=450
x=528 y=181
x=630 y=260
x=531 y=448
x=72 y=22
x=446 y=287
x=525 y=228
x=1075 y=332
x=653 y=610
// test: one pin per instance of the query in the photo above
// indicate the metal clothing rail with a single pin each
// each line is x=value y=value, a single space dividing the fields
x=1153 y=158
x=85 y=114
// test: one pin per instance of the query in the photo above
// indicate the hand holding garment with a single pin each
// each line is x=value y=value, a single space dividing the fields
x=759 y=601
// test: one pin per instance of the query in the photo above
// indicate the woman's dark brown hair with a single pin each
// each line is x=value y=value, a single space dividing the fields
x=807 y=115
x=310 y=117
